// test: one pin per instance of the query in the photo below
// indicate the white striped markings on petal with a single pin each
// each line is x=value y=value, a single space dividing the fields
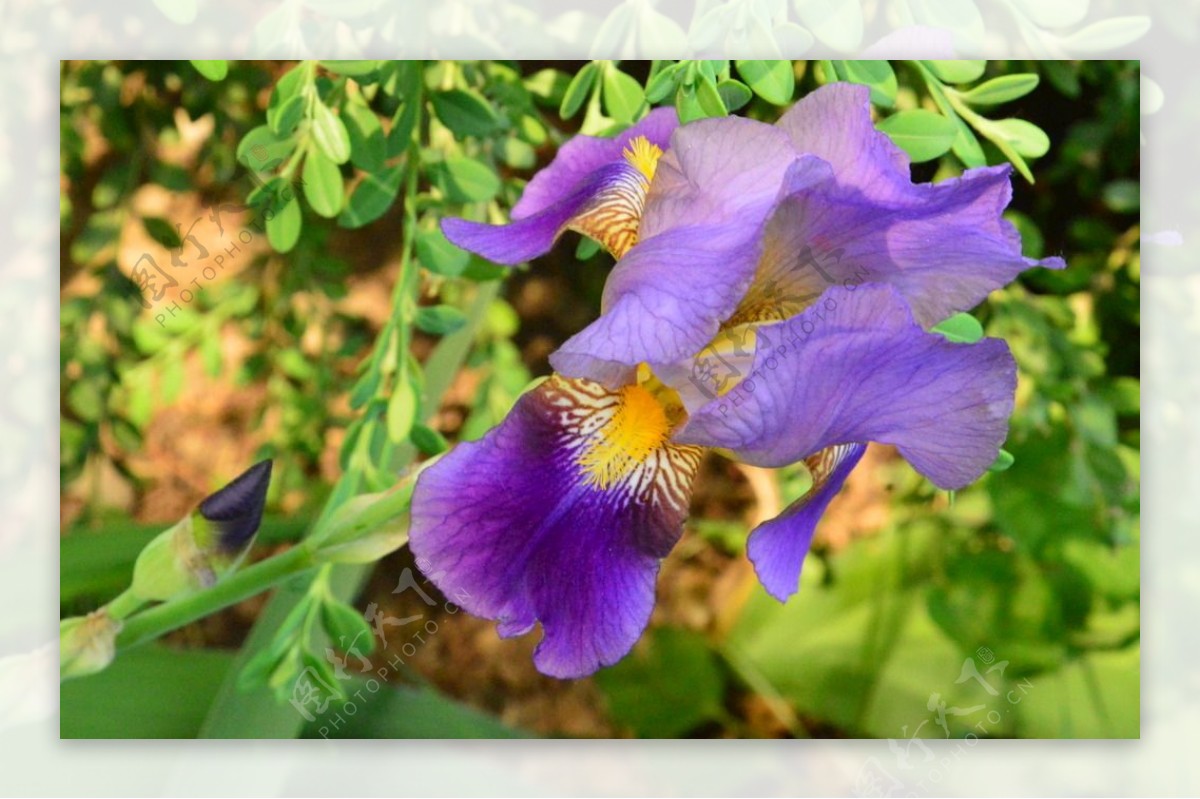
x=614 y=214
x=822 y=464
x=620 y=442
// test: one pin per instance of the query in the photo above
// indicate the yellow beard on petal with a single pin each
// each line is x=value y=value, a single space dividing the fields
x=643 y=155
x=637 y=428
x=614 y=216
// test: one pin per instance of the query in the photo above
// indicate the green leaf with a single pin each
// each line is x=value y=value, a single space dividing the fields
x=1094 y=696
x=329 y=132
x=283 y=229
x=773 y=81
x=924 y=135
x=150 y=692
x=687 y=105
x=578 y=90
x=734 y=94
x=961 y=328
x=586 y=248
x=623 y=96
x=437 y=254
x=346 y=627
x=709 y=98
x=401 y=411
x=1002 y=89
x=663 y=84
x=961 y=71
x=466 y=180
x=680 y=672
x=368 y=146
x=213 y=70
x=398 y=711
x=261 y=148
x=1025 y=137
x=876 y=75
x=323 y=184
x=466 y=113
x=428 y=440
x=1003 y=461
x=440 y=319
x=86 y=400
x=372 y=197
x=1122 y=196
x=287 y=116
x=405 y=119
x=966 y=145
x=162 y=232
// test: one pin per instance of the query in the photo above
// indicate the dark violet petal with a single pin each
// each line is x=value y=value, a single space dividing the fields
x=236 y=510
x=583 y=155
x=856 y=367
x=777 y=547
x=514 y=528
x=666 y=299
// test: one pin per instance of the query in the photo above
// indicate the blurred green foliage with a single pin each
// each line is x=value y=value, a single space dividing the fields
x=340 y=169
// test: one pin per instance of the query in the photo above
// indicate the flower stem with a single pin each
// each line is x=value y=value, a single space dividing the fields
x=253 y=579
x=124 y=604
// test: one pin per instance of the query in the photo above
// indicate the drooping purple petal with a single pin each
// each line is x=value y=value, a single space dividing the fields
x=560 y=516
x=532 y=236
x=590 y=186
x=778 y=546
x=856 y=367
x=582 y=155
x=666 y=299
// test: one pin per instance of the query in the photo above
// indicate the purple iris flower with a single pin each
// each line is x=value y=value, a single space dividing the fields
x=775 y=306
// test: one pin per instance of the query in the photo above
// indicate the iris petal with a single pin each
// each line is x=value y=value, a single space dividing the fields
x=666 y=299
x=560 y=516
x=582 y=155
x=607 y=206
x=596 y=186
x=855 y=368
x=778 y=546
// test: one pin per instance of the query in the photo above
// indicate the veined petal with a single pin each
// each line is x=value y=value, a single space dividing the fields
x=560 y=516
x=777 y=547
x=666 y=299
x=606 y=205
x=945 y=249
x=944 y=245
x=595 y=186
x=580 y=156
x=717 y=170
x=855 y=368
x=834 y=123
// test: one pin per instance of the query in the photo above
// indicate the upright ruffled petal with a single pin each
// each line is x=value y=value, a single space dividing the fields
x=560 y=516
x=856 y=367
x=834 y=123
x=717 y=170
x=778 y=546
